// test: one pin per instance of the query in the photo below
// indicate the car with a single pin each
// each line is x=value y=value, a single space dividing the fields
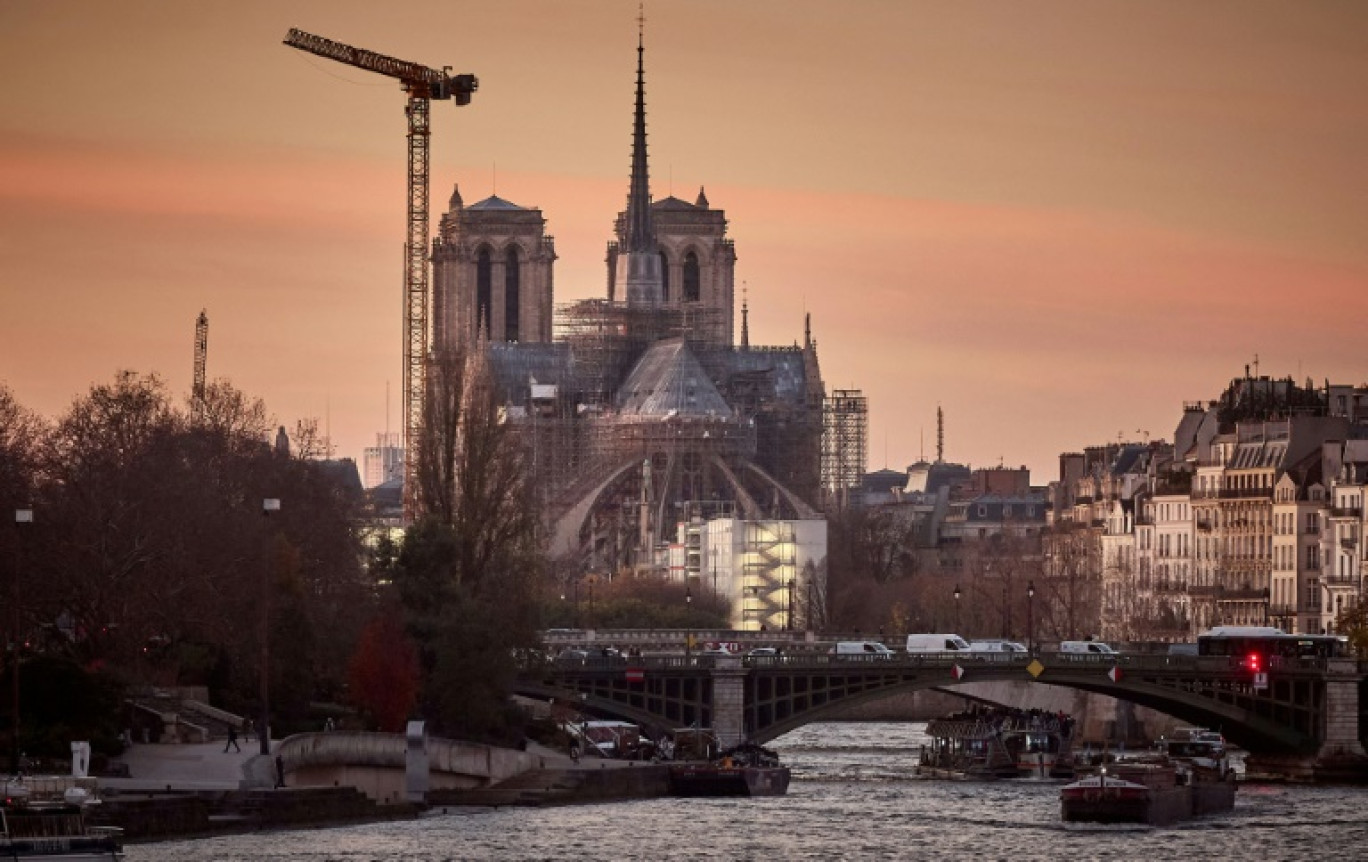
x=762 y=651
x=571 y=656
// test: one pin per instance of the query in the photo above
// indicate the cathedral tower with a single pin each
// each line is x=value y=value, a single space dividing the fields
x=492 y=272
x=672 y=253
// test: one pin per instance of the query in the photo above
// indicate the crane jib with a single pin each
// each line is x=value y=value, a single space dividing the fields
x=438 y=83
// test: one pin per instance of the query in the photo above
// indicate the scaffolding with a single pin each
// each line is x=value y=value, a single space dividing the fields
x=845 y=445
x=645 y=433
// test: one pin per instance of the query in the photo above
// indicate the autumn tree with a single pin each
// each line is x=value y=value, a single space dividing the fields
x=158 y=559
x=383 y=674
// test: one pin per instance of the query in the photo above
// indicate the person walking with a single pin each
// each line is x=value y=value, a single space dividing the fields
x=232 y=740
x=280 y=771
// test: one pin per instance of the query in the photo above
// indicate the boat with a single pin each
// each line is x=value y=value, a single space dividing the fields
x=998 y=743
x=53 y=828
x=1158 y=792
x=745 y=770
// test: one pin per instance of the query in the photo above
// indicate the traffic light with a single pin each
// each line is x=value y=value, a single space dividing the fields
x=1254 y=663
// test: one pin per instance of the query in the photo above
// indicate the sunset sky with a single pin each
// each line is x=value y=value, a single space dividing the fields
x=1057 y=220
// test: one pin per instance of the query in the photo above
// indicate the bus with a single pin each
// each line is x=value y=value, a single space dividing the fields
x=1259 y=647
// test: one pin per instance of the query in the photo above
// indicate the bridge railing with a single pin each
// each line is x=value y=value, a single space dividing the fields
x=1183 y=663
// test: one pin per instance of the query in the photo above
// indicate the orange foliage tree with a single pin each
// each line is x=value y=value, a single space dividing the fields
x=383 y=673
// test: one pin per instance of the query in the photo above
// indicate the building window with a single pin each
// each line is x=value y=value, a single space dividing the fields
x=484 y=289
x=691 y=278
x=512 y=291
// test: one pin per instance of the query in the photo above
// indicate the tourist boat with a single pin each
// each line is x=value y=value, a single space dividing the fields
x=1157 y=793
x=55 y=830
x=746 y=770
x=998 y=743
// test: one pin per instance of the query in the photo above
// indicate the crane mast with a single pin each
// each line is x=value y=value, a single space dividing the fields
x=422 y=84
x=201 y=360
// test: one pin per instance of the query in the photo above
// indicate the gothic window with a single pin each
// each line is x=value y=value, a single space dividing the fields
x=512 y=290
x=484 y=286
x=664 y=278
x=691 y=280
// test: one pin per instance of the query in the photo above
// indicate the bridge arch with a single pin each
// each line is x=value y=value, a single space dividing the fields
x=1289 y=717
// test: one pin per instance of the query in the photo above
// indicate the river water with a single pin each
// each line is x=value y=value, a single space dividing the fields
x=854 y=796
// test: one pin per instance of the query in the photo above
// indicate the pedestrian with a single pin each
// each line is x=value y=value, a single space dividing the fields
x=232 y=740
x=280 y=772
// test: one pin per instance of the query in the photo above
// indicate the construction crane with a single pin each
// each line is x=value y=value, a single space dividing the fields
x=201 y=360
x=422 y=85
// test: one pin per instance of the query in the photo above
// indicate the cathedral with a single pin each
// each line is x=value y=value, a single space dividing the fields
x=641 y=412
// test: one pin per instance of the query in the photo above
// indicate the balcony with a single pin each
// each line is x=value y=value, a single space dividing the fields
x=1348 y=544
x=1346 y=512
x=1246 y=493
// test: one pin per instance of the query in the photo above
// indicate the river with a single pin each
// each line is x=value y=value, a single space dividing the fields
x=853 y=796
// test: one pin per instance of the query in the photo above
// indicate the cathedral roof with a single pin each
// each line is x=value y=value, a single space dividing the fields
x=668 y=381
x=672 y=203
x=494 y=202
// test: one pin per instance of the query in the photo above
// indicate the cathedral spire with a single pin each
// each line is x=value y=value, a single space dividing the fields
x=638 y=268
x=640 y=234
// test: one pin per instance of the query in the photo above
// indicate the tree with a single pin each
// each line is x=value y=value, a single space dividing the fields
x=1353 y=622
x=383 y=673
x=468 y=574
x=1070 y=587
x=156 y=550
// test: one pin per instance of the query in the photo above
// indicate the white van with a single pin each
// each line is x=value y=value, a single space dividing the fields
x=995 y=646
x=1088 y=647
x=936 y=643
x=869 y=649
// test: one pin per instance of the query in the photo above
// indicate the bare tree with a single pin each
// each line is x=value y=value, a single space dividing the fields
x=1070 y=587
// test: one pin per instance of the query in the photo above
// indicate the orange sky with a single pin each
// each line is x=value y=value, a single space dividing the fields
x=1058 y=220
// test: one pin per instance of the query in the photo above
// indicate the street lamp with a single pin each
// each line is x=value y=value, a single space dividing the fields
x=268 y=505
x=957 y=608
x=1030 y=617
x=788 y=612
x=21 y=516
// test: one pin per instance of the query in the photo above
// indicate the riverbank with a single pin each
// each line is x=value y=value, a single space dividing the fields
x=171 y=792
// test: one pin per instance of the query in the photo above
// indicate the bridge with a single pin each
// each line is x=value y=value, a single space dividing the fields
x=1310 y=708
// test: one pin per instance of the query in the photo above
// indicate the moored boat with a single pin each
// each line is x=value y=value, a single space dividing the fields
x=52 y=829
x=998 y=743
x=746 y=770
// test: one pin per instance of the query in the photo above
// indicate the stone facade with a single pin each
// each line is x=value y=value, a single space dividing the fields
x=492 y=270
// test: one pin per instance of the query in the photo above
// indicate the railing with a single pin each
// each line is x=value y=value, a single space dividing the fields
x=1346 y=512
x=1132 y=659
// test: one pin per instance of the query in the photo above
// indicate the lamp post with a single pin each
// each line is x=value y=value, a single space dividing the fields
x=268 y=505
x=1030 y=618
x=807 y=617
x=714 y=568
x=688 y=603
x=21 y=516
x=788 y=614
x=1006 y=611
x=957 y=609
